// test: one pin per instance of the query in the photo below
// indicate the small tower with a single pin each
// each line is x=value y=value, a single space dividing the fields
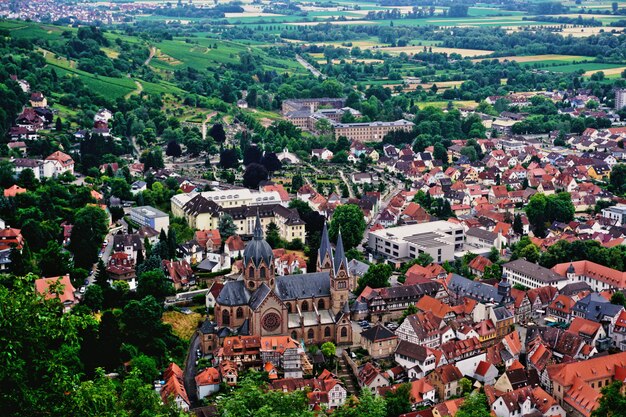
x=571 y=273
x=324 y=253
x=339 y=278
x=258 y=260
x=504 y=290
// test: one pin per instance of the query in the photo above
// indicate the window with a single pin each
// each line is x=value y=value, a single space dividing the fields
x=262 y=272
x=289 y=311
x=305 y=306
x=251 y=271
x=320 y=305
x=239 y=313
x=310 y=334
x=344 y=332
x=327 y=332
x=225 y=318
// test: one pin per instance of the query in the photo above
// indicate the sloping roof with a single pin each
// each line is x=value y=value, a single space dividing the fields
x=42 y=286
x=378 y=333
x=291 y=287
x=234 y=293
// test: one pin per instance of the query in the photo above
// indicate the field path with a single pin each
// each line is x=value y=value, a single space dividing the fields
x=152 y=53
x=204 y=123
x=137 y=91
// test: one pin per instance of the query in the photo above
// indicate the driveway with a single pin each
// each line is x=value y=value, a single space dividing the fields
x=190 y=369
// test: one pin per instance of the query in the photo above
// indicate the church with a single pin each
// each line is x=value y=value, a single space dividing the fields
x=311 y=307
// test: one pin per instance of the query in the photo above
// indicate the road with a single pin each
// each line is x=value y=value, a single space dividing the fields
x=310 y=67
x=190 y=369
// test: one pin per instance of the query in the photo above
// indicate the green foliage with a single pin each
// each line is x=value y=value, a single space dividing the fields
x=153 y=283
x=612 y=402
x=329 y=349
x=475 y=405
x=365 y=405
x=618 y=179
x=398 y=400
x=90 y=228
x=226 y=226
x=377 y=276
x=251 y=398
x=542 y=209
x=349 y=219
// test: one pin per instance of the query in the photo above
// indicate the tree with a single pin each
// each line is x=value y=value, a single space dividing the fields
x=229 y=158
x=54 y=261
x=494 y=255
x=94 y=298
x=398 y=400
x=254 y=174
x=377 y=276
x=172 y=245
x=612 y=402
x=536 y=212
x=424 y=259
x=153 y=283
x=173 y=149
x=272 y=236
x=27 y=179
x=518 y=226
x=329 y=350
x=252 y=155
x=475 y=405
x=365 y=405
x=530 y=253
x=466 y=385
x=618 y=298
x=271 y=162
x=296 y=183
x=226 y=225
x=101 y=277
x=146 y=368
x=217 y=133
x=440 y=152
x=618 y=179
x=349 y=219
x=90 y=228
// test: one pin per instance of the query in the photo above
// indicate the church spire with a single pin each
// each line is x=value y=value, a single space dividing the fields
x=325 y=248
x=258 y=229
x=340 y=255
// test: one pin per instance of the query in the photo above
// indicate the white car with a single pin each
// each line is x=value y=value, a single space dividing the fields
x=82 y=290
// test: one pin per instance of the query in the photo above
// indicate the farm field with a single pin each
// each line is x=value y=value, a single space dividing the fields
x=586 y=67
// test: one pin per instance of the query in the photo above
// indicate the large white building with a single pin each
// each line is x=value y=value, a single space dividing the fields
x=620 y=99
x=617 y=213
x=531 y=275
x=440 y=239
x=228 y=198
x=149 y=216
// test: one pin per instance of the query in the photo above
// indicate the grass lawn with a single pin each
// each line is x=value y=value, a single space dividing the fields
x=183 y=325
x=589 y=66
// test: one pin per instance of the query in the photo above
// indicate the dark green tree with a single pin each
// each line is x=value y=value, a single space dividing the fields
x=349 y=219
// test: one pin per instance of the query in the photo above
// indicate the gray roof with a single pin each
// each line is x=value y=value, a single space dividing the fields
x=377 y=333
x=357 y=268
x=481 y=234
x=325 y=247
x=258 y=250
x=259 y=296
x=475 y=290
x=340 y=255
x=207 y=265
x=595 y=307
x=536 y=272
x=502 y=313
x=234 y=293
x=291 y=287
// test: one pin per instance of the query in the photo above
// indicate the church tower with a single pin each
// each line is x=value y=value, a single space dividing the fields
x=258 y=261
x=325 y=253
x=339 y=278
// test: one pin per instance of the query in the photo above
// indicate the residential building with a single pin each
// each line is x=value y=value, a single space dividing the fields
x=531 y=275
x=598 y=277
x=379 y=341
x=207 y=382
x=174 y=388
x=416 y=358
x=370 y=131
x=445 y=379
x=57 y=287
x=151 y=217
x=617 y=212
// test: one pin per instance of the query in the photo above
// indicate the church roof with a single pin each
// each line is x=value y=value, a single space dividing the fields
x=324 y=246
x=258 y=249
x=291 y=287
x=259 y=296
x=234 y=293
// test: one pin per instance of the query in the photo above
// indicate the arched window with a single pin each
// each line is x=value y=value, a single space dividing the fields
x=294 y=335
x=344 y=332
x=327 y=332
x=288 y=307
x=304 y=306
x=225 y=318
x=239 y=313
x=251 y=271
x=310 y=334
x=320 y=305
x=262 y=272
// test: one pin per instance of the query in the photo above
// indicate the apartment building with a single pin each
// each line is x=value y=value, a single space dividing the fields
x=371 y=131
x=227 y=198
x=598 y=277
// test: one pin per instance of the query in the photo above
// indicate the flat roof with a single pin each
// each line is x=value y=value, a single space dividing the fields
x=427 y=240
x=403 y=232
x=148 y=211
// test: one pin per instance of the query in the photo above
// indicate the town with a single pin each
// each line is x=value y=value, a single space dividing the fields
x=307 y=209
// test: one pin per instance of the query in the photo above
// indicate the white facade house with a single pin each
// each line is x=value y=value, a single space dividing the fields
x=616 y=213
x=531 y=275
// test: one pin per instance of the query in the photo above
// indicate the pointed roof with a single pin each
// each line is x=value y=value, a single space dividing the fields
x=340 y=255
x=258 y=249
x=258 y=229
x=325 y=247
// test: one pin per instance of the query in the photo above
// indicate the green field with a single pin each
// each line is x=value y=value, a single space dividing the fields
x=590 y=66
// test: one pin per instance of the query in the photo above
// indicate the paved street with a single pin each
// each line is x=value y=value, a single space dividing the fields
x=190 y=369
